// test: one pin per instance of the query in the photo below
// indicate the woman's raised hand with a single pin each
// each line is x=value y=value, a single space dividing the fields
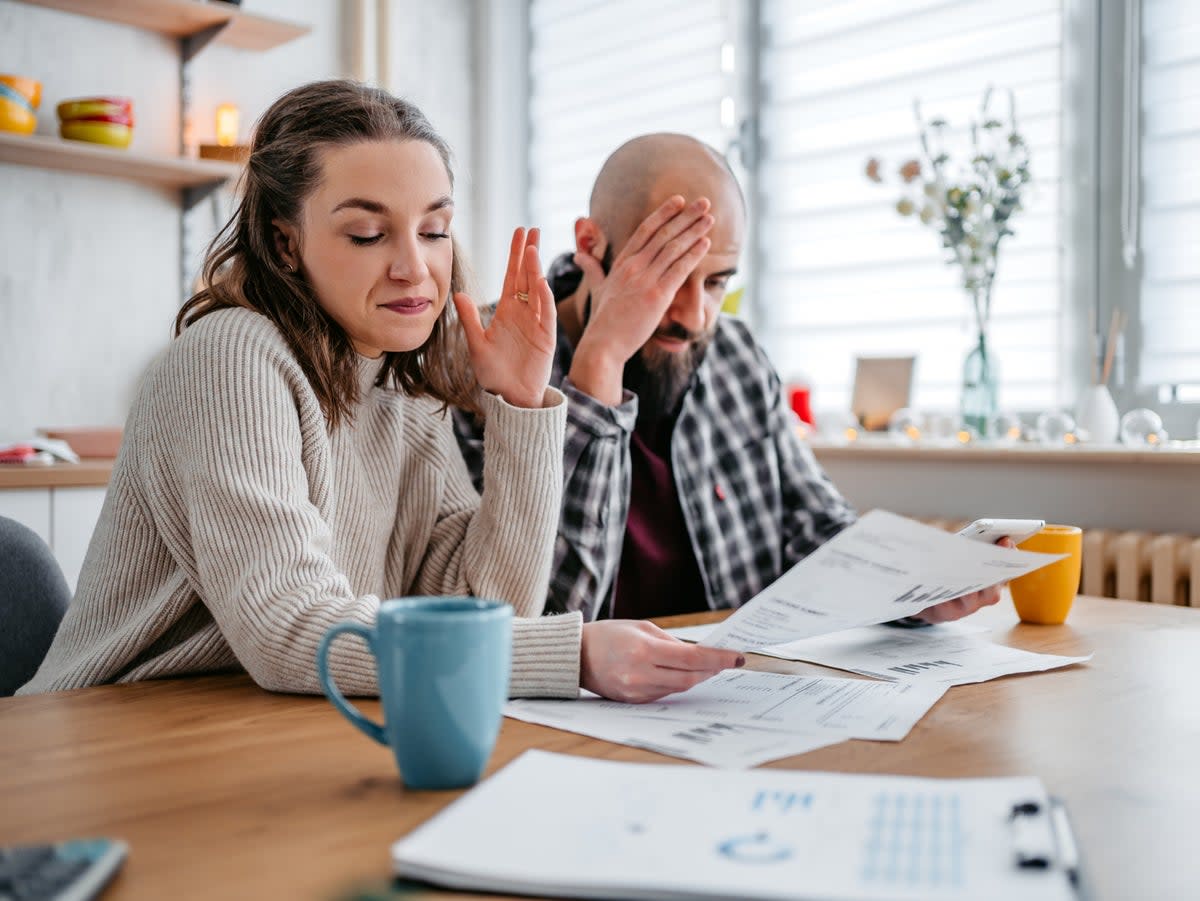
x=513 y=356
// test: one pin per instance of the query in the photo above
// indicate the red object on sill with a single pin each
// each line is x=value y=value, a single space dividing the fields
x=17 y=453
x=94 y=442
x=799 y=396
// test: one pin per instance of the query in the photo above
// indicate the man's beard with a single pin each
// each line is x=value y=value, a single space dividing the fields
x=659 y=377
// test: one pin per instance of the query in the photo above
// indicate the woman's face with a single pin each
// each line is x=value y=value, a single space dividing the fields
x=374 y=242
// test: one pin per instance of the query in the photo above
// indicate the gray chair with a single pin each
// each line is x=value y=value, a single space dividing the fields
x=33 y=598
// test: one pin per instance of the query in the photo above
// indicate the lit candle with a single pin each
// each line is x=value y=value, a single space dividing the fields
x=227 y=124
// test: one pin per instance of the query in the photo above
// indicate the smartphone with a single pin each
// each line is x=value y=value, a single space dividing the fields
x=992 y=530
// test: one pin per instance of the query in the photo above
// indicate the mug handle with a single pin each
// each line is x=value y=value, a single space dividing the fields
x=348 y=710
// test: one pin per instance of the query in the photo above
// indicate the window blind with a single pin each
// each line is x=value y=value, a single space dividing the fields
x=1170 y=189
x=603 y=71
x=843 y=274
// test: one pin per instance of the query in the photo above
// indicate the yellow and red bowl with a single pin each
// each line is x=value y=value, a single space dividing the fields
x=99 y=120
x=19 y=100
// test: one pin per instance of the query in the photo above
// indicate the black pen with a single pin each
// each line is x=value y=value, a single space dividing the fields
x=1068 y=851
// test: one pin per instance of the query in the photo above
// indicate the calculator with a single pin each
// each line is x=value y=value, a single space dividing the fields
x=73 y=870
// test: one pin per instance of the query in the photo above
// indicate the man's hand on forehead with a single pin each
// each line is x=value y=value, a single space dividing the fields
x=629 y=303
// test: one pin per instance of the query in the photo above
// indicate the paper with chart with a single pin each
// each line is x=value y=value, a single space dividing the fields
x=813 y=710
x=949 y=654
x=608 y=829
x=883 y=567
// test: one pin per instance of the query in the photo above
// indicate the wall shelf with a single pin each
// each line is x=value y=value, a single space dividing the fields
x=184 y=18
x=96 y=159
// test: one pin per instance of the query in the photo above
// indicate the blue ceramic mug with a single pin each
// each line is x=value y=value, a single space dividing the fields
x=443 y=667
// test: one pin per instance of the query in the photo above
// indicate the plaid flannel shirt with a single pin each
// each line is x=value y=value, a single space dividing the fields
x=754 y=499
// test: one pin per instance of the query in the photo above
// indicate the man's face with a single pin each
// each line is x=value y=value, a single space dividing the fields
x=661 y=371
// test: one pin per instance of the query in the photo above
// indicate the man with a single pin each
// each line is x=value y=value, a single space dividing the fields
x=686 y=487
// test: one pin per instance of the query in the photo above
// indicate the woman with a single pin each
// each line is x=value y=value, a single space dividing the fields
x=289 y=462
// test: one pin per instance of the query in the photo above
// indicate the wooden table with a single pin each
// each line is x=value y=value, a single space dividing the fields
x=225 y=791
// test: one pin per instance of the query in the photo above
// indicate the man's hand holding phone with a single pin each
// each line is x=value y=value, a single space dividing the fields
x=992 y=530
x=1004 y=532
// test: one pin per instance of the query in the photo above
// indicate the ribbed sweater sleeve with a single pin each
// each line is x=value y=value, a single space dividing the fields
x=501 y=548
x=546 y=657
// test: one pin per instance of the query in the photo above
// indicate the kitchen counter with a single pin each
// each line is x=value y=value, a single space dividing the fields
x=85 y=474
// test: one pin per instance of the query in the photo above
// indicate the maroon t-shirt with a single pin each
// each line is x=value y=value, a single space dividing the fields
x=659 y=575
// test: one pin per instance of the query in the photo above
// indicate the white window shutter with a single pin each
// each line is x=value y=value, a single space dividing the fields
x=1170 y=190
x=604 y=71
x=843 y=273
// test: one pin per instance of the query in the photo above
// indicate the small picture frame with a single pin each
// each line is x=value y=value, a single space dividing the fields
x=882 y=385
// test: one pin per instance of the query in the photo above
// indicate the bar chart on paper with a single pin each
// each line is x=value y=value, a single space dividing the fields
x=923 y=666
x=915 y=840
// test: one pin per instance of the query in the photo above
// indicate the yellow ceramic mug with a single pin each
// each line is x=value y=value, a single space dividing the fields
x=1045 y=595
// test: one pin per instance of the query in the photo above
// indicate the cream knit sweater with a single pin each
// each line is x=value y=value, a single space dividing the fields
x=237 y=529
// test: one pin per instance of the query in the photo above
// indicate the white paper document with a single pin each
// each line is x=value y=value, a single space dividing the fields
x=950 y=654
x=566 y=826
x=883 y=567
x=813 y=710
x=726 y=745
x=852 y=708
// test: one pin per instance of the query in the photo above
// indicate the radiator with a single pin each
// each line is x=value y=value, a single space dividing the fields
x=1135 y=566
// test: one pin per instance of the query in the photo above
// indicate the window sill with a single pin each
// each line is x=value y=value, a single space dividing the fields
x=1094 y=487
x=878 y=449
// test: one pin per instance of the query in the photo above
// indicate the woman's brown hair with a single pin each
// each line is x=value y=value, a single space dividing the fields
x=243 y=268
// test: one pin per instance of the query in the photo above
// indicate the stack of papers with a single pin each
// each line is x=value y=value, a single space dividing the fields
x=882 y=568
x=744 y=718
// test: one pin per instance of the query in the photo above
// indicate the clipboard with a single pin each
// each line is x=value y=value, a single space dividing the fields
x=574 y=827
x=1043 y=839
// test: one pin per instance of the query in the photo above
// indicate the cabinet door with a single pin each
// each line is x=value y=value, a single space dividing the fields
x=75 y=512
x=28 y=506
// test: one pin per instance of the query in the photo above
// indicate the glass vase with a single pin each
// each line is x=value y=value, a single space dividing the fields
x=980 y=384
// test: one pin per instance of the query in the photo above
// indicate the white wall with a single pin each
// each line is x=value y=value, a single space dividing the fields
x=90 y=267
x=430 y=62
x=501 y=166
x=88 y=274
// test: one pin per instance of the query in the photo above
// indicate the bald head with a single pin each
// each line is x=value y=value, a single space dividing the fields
x=644 y=171
x=678 y=270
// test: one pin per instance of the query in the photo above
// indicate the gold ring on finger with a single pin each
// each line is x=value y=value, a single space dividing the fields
x=522 y=296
